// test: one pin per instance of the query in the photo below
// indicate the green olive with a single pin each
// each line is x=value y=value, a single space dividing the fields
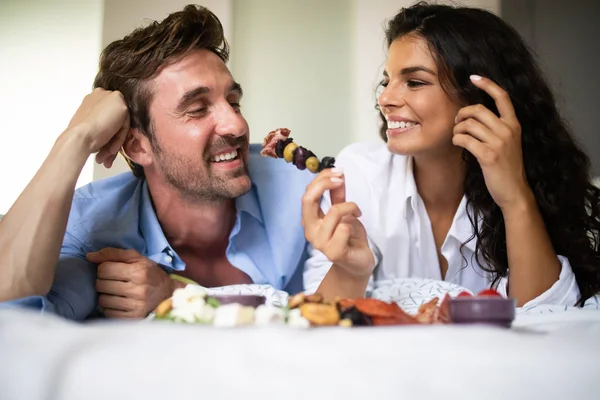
x=312 y=163
x=288 y=152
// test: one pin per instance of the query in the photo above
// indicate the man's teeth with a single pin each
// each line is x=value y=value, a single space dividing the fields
x=225 y=156
x=400 y=124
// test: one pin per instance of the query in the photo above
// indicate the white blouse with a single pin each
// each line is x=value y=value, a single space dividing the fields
x=400 y=233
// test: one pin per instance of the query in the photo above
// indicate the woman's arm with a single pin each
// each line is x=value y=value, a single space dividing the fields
x=32 y=231
x=338 y=282
x=496 y=143
x=533 y=264
x=339 y=236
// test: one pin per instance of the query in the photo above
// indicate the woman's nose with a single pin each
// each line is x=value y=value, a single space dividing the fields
x=389 y=99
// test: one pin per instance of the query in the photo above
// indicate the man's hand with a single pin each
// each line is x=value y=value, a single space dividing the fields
x=129 y=285
x=103 y=119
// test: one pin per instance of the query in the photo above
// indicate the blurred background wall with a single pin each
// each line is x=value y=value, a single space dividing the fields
x=48 y=57
x=566 y=37
x=309 y=65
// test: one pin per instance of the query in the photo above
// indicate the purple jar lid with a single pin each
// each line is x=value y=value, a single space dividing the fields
x=249 y=300
x=483 y=310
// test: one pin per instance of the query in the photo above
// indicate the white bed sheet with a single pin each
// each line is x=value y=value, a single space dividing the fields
x=547 y=354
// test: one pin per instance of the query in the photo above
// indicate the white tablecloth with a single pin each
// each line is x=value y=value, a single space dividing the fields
x=550 y=355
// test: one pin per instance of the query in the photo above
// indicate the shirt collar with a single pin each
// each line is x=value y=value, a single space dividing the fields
x=248 y=203
x=157 y=245
x=461 y=229
x=158 y=248
x=153 y=234
x=156 y=242
x=410 y=188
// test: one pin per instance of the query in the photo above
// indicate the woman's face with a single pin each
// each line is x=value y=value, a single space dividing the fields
x=419 y=113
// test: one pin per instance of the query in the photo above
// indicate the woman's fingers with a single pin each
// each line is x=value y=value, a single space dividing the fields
x=335 y=215
x=501 y=98
x=338 y=193
x=474 y=146
x=311 y=201
x=321 y=232
x=478 y=130
x=337 y=247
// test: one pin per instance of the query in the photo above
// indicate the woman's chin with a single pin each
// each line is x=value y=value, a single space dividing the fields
x=406 y=147
x=403 y=148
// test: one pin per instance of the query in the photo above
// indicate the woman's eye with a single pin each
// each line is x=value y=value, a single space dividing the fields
x=413 y=84
x=384 y=83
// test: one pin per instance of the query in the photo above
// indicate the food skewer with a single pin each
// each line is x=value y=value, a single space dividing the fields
x=278 y=144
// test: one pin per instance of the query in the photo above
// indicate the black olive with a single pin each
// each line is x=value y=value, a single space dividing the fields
x=357 y=318
x=280 y=145
x=300 y=156
x=327 y=162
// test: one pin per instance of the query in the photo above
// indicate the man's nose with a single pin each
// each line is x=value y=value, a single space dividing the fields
x=230 y=121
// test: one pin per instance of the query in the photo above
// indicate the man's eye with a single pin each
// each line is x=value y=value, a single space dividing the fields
x=197 y=111
x=236 y=106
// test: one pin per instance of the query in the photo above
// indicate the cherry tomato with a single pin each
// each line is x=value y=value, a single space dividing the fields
x=489 y=292
x=464 y=294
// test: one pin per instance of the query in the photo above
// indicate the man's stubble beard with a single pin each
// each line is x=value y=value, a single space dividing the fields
x=193 y=181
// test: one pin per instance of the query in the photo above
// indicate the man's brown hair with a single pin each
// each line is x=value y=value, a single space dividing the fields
x=127 y=64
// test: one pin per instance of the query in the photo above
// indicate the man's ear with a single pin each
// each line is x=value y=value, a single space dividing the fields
x=138 y=148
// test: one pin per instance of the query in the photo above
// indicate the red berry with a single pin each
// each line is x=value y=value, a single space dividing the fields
x=489 y=292
x=464 y=294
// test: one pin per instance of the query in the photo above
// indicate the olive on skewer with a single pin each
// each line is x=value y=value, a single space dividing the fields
x=278 y=144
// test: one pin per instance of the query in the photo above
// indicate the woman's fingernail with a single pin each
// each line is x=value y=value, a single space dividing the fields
x=475 y=77
x=337 y=171
x=336 y=180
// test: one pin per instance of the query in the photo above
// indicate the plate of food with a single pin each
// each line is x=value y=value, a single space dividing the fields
x=411 y=293
x=486 y=307
x=233 y=307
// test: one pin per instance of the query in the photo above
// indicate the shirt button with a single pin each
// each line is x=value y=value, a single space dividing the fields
x=168 y=259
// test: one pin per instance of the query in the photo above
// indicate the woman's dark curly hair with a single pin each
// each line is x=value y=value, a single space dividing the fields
x=466 y=41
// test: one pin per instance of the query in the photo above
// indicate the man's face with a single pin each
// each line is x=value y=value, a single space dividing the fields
x=200 y=138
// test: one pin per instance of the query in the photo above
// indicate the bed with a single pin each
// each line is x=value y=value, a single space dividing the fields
x=550 y=352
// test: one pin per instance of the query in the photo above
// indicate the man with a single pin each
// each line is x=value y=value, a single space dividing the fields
x=201 y=202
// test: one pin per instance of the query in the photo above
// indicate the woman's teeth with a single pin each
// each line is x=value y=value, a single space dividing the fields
x=225 y=156
x=400 y=124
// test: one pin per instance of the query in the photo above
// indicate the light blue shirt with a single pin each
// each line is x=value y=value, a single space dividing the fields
x=267 y=240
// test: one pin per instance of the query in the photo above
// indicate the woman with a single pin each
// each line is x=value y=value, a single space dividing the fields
x=479 y=183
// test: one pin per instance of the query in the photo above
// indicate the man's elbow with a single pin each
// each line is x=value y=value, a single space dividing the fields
x=10 y=290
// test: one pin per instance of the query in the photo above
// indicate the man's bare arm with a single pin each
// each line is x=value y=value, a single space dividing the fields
x=32 y=231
